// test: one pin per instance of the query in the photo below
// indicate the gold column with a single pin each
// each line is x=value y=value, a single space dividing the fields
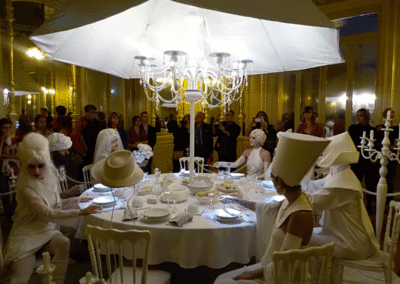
x=241 y=117
x=323 y=75
x=349 y=85
x=75 y=101
x=107 y=97
x=11 y=95
x=297 y=100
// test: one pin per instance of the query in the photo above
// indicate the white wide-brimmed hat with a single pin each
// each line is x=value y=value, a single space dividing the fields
x=340 y=151
x=117 y=170
x=295 y=155
x=59 y=142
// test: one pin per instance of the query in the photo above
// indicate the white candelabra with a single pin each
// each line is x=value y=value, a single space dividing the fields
x=384 y=156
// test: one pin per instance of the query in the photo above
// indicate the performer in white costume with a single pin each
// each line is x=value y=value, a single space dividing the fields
x=258 y=159
x=39 y=207
x=295 y=155
x=108 y=141
x=339 y=196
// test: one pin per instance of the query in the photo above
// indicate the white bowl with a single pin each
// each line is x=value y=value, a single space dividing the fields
x=200 y=185
x=237 y=176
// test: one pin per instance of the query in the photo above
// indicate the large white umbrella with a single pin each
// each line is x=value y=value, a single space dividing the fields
x=277 y=35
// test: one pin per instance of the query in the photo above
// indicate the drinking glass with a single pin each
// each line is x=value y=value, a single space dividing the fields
x=221 y=173
x=145 y=177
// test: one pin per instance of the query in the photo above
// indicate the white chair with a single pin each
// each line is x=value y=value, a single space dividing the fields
x=373 y=263
x=198 y=162
x=62 y=179
x=98 y=237
x=315 y=262
x=86 y=176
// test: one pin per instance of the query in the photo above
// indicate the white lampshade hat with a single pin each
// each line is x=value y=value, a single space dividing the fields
x=295 y=155
x=117 y=170
x=340 y=151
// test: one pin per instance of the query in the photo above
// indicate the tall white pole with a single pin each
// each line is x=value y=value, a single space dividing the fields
x=191 y=160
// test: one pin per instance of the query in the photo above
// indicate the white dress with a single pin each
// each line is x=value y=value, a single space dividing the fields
x=276 y=244
x=34 y=223
x=255 y=166
x=344 y=218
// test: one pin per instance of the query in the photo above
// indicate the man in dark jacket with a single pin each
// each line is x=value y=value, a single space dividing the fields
x=151 y=135
x=227 y=133
x=203 y=139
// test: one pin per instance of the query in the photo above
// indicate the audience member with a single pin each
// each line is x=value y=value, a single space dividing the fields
x=203 y=138
x=101 y=116
x=181 y=141
x=392 y=165
x=8 y=151
x=24 y=128
x=364 y=168
x=309 y=125
x=114 y=122
x=159 y=124
x=40 y=125
x=172 y=124
x=84 y=135
x=108 y=141
x=340 y=123
x=261 y=121
x=151 y=136
x=295 y=155
x=289 y=124
x=227 y=133
x=258 y=159
x=49 y=119
x=62 y=123
x=340 y=198
x=281 y=123
x=39 y=207
x=136 y=134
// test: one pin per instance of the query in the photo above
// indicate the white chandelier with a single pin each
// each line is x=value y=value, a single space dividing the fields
x=205 y=79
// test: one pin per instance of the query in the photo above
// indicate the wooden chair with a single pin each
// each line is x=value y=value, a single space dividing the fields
x=198 y=162
x=100 y=239
x=303 y=264
x=375 y=263
x=86 y=176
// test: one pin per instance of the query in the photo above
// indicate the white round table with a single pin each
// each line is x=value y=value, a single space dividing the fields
x=202 y=241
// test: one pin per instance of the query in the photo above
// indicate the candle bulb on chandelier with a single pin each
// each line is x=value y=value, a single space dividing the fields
x=46 y=261
x=364 y=135
x=371 y=135
x=388 y=114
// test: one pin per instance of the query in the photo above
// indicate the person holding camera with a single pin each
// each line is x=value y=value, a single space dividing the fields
x=227 y=132
x=261 y=121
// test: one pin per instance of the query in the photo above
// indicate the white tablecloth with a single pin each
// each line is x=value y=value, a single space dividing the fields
x=203 y=241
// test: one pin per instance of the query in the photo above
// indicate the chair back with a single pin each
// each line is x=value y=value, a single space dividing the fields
x=62 y=179
x=311 y=265
x=87 y=179
x=198 y=162
x=101 y=240
x=392 y=232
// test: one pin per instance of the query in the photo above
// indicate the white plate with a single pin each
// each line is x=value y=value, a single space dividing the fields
x=237 y=175
x=155 y=213
x=205 y=197
x=100 y=188
x=268 y=184
x=104 y=200
x=177 y=187
x=180 y=197
x=227 y=214
x=145 y=189
x=227 y=188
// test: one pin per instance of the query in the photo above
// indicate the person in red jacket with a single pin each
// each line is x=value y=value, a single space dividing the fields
x=84 y=134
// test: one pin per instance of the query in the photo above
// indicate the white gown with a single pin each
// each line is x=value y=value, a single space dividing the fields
x=275 y=244
x=344 y=218
x=108 y=141
x=255 y=166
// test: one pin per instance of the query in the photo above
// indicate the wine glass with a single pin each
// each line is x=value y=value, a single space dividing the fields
x=145 y=176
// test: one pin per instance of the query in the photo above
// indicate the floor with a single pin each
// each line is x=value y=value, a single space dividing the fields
x=80 y=263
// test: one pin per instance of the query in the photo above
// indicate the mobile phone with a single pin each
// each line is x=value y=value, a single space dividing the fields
x=257 y=119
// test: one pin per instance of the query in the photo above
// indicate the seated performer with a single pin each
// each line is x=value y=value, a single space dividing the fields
x=258 y=159
x=339 y=196
x=295 y=155
x=39 y=207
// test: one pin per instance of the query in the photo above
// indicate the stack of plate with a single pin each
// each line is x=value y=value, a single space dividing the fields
x=100 y=188
x=154 y=215
x=237 y=176
x=228 y=188
x=228 y=215
x=104 y=201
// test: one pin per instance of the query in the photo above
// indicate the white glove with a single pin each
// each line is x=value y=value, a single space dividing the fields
x=220 y=164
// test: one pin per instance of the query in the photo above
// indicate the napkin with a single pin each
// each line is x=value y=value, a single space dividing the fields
x=137 y=203
x=181 y=219
x=130 y=214
x=193 y=208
